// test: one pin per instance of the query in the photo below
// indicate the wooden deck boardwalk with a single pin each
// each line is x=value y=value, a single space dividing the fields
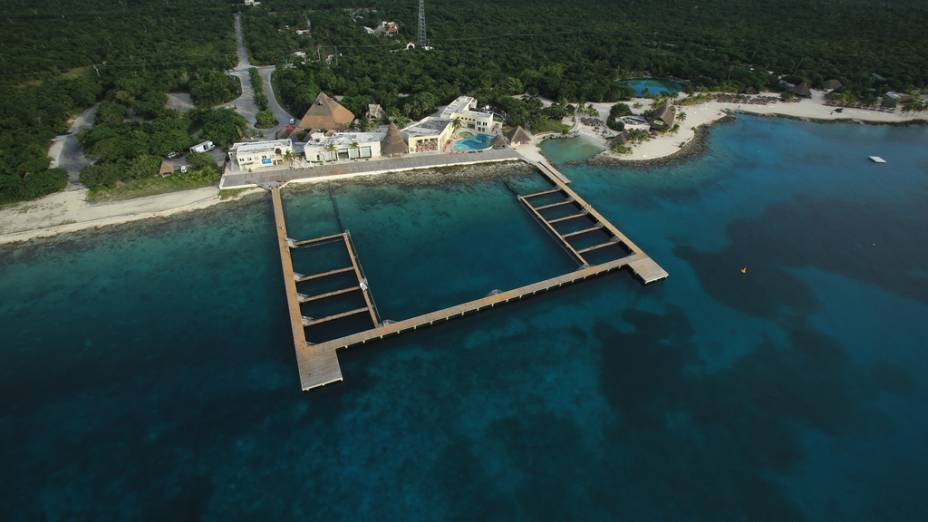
x=323 y=364
x=644 y=267
x=318 y=363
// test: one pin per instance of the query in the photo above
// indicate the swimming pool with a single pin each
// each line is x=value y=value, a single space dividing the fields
x=653 y=86
x=480 y=141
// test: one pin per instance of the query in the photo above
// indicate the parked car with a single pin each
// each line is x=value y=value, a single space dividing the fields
x=171 y=155
x=205 y=146
x=292 y=121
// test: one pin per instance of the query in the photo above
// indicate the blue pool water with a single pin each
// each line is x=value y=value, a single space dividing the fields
x=148 y=372
x=653 y=86
x=475 y=142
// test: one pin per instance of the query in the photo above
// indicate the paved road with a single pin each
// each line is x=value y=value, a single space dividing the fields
x=245 y=104
x=283 y=117
x=412 y=161
x=243 y=63
x=65 y=151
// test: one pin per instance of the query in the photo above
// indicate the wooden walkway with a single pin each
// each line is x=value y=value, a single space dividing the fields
x=318 y=363
x=644 y=267
x=324 y=363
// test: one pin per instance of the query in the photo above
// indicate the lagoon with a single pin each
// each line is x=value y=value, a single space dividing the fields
x=653 y=86
x=148 y=372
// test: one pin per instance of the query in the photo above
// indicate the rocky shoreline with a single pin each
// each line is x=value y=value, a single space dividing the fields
x=425 y=176
x=697 y=146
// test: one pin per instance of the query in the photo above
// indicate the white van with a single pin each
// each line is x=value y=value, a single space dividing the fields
x=206 y=146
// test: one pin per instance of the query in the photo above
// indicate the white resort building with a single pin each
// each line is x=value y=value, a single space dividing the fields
x=340 y=146
x=252 y=155
x=432 y=133
x=429 y=134
x=464 y=108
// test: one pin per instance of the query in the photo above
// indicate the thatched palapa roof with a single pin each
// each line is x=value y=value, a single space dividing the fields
x=802 y=90
x=519 y=136
x=832 y=85
x=666 y=114
x=393 y=143
x=326 y=113
x=499 y=142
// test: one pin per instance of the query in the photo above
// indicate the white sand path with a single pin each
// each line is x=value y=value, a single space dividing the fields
x=68 y=211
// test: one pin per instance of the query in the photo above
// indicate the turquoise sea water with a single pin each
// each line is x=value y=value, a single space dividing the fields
x=148 y=373
x=565 y=150
x=654 y=86
x=475 y=142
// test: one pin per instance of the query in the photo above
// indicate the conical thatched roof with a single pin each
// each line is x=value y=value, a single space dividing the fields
x=620 y=139
x=499 y=142
x=393 y=144
x=519 y=136
x=831 y=85
x=326 y=113
x=666 y=114
x=802 y=90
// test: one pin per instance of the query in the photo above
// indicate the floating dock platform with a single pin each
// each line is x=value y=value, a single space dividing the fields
x=318 y=363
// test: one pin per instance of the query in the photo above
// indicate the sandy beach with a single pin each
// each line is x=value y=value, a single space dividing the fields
x=710 y=112
x=68 y=211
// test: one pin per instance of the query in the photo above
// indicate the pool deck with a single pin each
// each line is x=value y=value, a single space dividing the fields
x=318 y=363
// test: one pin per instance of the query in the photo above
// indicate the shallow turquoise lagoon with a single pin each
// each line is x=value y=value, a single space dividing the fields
x=568 y=150
x=475 y=142
x=653 y=86
x=148 y=373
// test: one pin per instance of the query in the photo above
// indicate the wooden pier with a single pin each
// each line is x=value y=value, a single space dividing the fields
x=643 y=266
x=318 y=363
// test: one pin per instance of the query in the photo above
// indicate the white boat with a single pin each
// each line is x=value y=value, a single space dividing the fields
x=877 y=159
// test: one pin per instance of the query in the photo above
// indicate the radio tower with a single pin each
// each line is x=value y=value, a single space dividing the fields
x=423 y=42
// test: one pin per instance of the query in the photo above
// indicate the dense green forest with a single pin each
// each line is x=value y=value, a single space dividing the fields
x=576 y=51
x=61 y=57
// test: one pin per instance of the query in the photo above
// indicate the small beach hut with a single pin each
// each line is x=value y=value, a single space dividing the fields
x=666 y=114
x=374 y=111
x=393 y=143
x=832 y=85
x=519 y=136
x=499 y=142
x=620 y=139
x=326 y=113
x=166 y=169
x=802 y=90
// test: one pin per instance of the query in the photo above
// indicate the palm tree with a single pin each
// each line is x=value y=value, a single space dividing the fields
x=289 y=157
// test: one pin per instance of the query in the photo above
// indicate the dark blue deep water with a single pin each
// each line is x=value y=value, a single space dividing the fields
x=147 y=373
